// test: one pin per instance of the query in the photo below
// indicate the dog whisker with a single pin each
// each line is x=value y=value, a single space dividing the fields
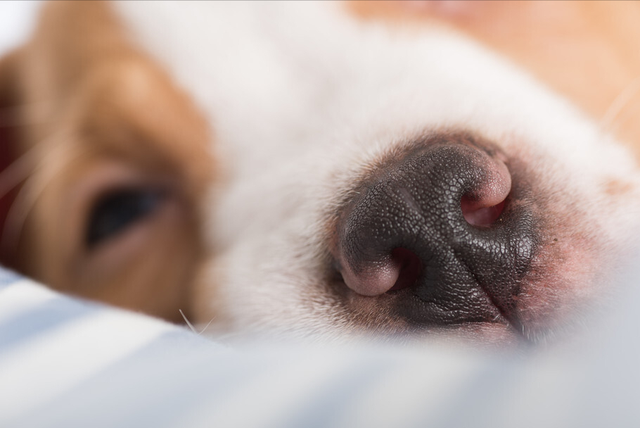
x=16 y=217
x=25 y=201
x=187 y=321
x=193 y=329
x=621 y=102
x=19 y=170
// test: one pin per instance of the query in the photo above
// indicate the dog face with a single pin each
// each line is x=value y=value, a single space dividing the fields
x=366 y=178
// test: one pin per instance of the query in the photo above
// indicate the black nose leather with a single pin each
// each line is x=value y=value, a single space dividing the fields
x=407 y=226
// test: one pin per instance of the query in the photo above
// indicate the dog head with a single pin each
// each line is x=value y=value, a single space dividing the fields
x=366 y=177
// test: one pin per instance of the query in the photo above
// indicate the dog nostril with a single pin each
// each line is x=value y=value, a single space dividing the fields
x=409 y=268
x=484 y=205
x=480 y=216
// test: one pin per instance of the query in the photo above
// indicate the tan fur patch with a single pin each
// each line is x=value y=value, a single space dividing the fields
x=113 y=117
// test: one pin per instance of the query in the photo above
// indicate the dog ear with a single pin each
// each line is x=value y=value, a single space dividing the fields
x=11 y=130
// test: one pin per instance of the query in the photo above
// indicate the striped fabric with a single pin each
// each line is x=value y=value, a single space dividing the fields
x=68 y=363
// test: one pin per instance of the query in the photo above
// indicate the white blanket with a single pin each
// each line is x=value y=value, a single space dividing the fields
x=68 y=363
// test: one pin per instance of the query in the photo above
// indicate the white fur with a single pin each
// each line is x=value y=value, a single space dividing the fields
x=301 y=97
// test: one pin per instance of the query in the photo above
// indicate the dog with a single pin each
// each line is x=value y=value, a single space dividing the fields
x=326 y=169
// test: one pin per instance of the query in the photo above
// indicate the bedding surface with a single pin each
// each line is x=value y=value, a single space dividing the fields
x=65 y=362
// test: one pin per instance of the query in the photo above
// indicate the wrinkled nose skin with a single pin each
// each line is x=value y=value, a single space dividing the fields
x=443 y=226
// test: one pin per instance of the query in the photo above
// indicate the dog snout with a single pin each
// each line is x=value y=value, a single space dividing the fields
x=439 y=228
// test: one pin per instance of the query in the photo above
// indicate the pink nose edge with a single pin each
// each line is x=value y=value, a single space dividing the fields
x=396 y=272
x=377 y=278
x=484 y=207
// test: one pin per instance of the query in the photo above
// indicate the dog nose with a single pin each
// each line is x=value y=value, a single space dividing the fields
x=437 y=225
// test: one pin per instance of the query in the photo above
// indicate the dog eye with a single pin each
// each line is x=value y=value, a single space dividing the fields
x=118 y=210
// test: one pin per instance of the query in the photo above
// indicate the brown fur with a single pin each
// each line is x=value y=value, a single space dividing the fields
x=113 y=118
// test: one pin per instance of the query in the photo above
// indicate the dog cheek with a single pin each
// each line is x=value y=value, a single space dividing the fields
x=582 y=247
x=561 y=279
